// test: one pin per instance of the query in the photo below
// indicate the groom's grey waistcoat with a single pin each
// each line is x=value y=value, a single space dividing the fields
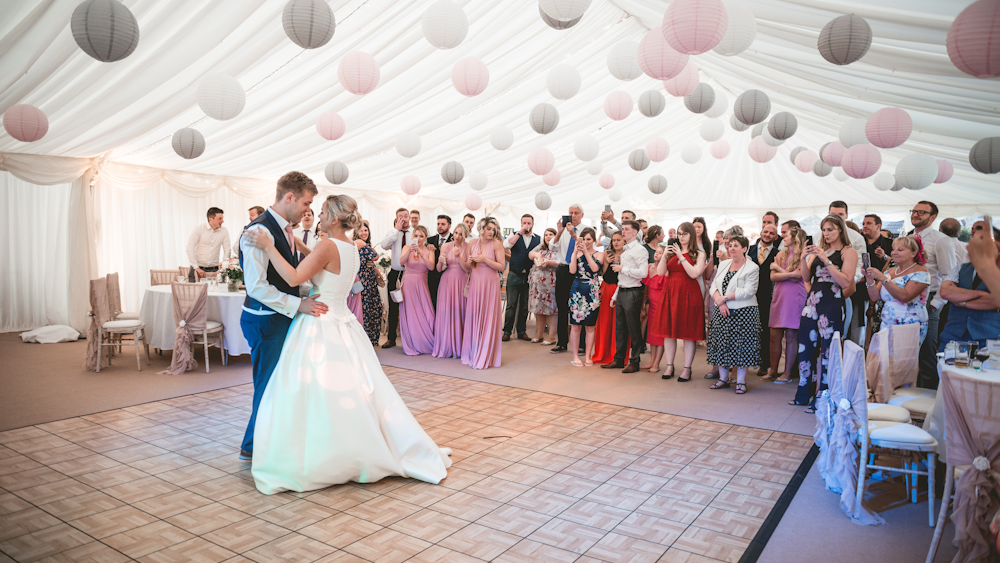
x=273 y=278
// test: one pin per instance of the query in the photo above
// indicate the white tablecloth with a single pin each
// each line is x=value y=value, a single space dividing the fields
x=936 y=424
x=225 y=307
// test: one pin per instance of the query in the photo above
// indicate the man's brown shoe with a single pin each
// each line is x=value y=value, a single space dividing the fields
x=613 y=365
x=632 y=368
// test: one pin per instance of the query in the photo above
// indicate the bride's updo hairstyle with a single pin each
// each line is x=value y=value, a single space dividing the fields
x=344 y=208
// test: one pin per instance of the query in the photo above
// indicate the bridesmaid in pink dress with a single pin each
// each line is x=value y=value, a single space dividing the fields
x=451 y=301
x=481 y=338
x=416 y=314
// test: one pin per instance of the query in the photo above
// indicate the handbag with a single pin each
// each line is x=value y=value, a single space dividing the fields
x=396 y=295
x=357 y=288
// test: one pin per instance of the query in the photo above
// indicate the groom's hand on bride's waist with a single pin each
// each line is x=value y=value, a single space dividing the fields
x=312 y=307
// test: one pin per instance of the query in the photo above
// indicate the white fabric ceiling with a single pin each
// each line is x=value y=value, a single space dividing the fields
x=131 y=108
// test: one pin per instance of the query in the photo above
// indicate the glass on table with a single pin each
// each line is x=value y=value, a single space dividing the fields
x=963 y=355
x=181 y=279
x=950 y=351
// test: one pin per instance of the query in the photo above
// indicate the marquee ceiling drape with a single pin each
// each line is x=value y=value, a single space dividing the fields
x=129 y=109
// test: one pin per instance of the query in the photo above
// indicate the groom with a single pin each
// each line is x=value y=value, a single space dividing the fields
x=271 y=303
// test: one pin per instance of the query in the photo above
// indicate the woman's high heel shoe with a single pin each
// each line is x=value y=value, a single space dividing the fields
x=669 y=375
x=685 y=379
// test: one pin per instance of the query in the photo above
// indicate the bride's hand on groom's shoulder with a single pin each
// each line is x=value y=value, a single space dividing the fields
x=310 y=306
x=258 y=239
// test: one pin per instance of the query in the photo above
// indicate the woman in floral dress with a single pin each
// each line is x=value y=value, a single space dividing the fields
x=371 y=278
x=903 y=290
x=585 y=294
x=542 y=289
x=831 y=267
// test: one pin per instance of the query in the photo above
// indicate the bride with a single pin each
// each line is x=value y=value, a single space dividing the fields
x=329 y=414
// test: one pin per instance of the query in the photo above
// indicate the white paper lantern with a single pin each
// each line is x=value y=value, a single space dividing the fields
x=752 y=107
x=556 y=24
x=783 y=125
x=701 y=99
x=473 y=202
x=916 y=171
x=766 y=134
x=853 y=132
x=657 y=184
x=105 y=29
x=452 y=172
x=719 y=107
x=563 y=81
x=586 y=148
x=594 y=167
x=821 y=168
x=845 y=39
x=544 y=118
x=795 y=153
x=736 y=124
x=564 y=10
x=410 y=185
x=691 y=153
x=984 y=156
x=884 y=181
x=652 y=103
x=552 y=178
x=740 y=33
x=541 y=161
x=839 y=174
x=543 y=201
x=758 y=130
x=607 y=181
x=623 y=62
x=615 y=195
x=308 y=23
x=408 y=144
x=445 y=24
x=657 y=149
x=638 y=160
x=336 y=172
x=719 y=149
x=711 y=130
x=501 y=138
x=478 y=181
x=221 y=96
x=188 y=143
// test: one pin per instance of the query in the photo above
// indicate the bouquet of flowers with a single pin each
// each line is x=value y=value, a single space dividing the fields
x=232 y=272
x=385 y=261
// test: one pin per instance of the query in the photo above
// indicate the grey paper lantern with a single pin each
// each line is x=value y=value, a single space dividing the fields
x=795 y=153
x=308 y=23
x=758 y=129
x=736 y=124
x=768 y=139
x=752 y=107
x=188 y=143
x=544 y=118
x=556 y=24
x=105 y=30
x=543 y=200
x=452 y=172
x=638 y=160
x=336 y=172
x=821 y=168
x=657 y=184
x=221 y=96
x=701 y=99
x=985 y=155
x=564 y=10
x=782 y=126
x=845 y=39
x=652 y=103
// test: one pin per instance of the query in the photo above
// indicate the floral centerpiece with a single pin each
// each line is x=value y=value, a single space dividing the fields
x=384 y=261
x=232 y=273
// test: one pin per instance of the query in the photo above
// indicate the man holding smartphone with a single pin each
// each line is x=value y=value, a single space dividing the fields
x=520 y=244
x=399 y=236
x=563 y=246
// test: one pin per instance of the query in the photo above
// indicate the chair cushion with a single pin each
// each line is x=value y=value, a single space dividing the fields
x=906 y=393
x=881 y=431
x=122 y=324
x=127 y=316
x=212 y=325
x=887 y=413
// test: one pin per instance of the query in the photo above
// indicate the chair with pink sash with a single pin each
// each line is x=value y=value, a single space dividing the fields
x=103 y=324
x=191 y=317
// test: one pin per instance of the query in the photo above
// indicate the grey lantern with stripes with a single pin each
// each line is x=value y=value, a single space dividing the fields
x=556 y=24
x=105 y=30
x=736 y=124
x=336 y=172
x=821 y=168
x=985 y=155
x=701 y=99
x=188 y=143
x=308 y=23
x=652 y=103
x=752 y=107
x=543 y=200
x=638 y=160
x=795 y=153
x=452 y=172
x=782 y=126
x=657 y=184
x=845 y=39
x=544 y=118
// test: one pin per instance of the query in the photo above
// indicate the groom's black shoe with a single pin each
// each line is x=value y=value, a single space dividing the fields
x=245 y=455
x=389 y=344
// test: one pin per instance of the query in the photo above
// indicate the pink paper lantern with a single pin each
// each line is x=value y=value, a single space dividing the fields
x=694 y=27
x=657 y=149
x=684 y=83
x=541 y=161
x=552 y=178
x=25 y=123
x=719 y=149
x=618 y=105
x=861 y=161
x=974 y=39
x=833 y=153
x=331 y=126
x=470 y=76
x=658 y=59
x=945 y=171
x=761 y=151
x=358 y=72
x=473 y=202
x=607 y=181
x=410 y=185
x=805 y=160
x=888 y=128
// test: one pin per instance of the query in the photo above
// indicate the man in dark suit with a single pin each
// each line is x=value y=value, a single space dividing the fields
x=520 y=244
x=763 y=252
x=435 y=242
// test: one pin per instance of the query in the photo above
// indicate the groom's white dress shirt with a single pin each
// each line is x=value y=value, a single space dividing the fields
x=204 y=244
x=393 y=242
x=255 y=263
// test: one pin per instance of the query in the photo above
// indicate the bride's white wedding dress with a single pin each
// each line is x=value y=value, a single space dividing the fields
x=329 y=414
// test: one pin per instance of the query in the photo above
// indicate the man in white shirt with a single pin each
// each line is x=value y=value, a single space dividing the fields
x=627 y=300
x=939 y=250
x=858 y=243
x=563 y=246
x=608 y=224
x=205 y=242
x=399 y=236
x=470 y=221
x=952 y=228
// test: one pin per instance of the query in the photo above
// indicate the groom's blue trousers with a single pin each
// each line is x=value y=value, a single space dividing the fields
x=265 y=334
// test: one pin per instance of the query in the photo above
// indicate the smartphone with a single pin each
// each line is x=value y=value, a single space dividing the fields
x=673 y=241
x=988 y=219
x=565 y=220
x=809 y=240
x=866 y=261
x=607 y=208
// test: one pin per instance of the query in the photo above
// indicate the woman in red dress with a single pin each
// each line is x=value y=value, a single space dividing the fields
x=655 y=283
x=681 y=314
x=604 y=340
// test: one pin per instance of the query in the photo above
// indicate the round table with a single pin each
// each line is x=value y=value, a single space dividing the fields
x=223 y=306
x=935 y=419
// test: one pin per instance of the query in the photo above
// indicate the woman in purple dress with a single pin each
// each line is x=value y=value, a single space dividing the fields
x=450 y=320
x=416 y=314
x=786 y=305
x=481 y=338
